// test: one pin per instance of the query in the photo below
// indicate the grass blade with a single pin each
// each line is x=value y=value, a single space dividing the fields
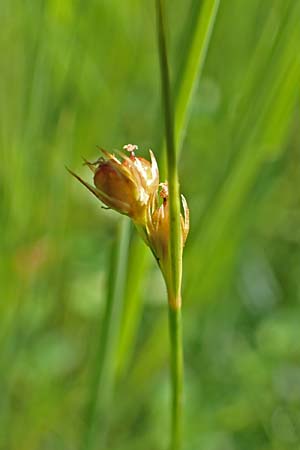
x=191 y=70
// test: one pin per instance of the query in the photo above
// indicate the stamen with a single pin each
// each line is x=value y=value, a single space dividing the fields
x=131 y=148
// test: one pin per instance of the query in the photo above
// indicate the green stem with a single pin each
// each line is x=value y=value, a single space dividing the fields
x=175 y=247
x=175 y=326
x=173 y=275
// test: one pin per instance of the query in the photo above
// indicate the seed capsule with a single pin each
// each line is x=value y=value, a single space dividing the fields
x=126 y=185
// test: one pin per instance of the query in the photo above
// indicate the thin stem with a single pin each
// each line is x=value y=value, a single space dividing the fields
x=174 y=272
x=175 y=326
x=175 y=247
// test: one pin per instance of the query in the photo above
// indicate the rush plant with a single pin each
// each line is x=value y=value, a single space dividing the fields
x=130 y=185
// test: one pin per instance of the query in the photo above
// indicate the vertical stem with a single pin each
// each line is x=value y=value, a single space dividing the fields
x=174 y=271
x=175 y=246
x=175 y=326
x=101 y=387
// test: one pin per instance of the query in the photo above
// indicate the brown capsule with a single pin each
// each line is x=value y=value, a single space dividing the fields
x=126 y=185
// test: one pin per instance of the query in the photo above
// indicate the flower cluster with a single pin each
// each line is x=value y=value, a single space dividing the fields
x=130 y=185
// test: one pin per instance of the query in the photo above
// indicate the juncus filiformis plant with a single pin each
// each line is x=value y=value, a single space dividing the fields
x=130 y=185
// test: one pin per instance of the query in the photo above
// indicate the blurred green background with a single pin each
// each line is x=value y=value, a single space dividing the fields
x=77 y=74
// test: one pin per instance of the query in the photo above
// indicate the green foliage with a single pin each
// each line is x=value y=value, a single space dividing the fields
x=74 y=75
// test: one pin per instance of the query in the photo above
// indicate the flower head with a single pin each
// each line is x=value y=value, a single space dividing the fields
x=130 y=185
x=126 y=184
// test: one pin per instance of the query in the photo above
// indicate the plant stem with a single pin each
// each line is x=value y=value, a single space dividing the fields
x=174 y=283
x=175 y=326
x=174 y=273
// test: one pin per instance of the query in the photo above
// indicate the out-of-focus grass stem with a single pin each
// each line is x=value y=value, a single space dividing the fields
x=102 y=382
x=205 y=15
x=173 y=280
